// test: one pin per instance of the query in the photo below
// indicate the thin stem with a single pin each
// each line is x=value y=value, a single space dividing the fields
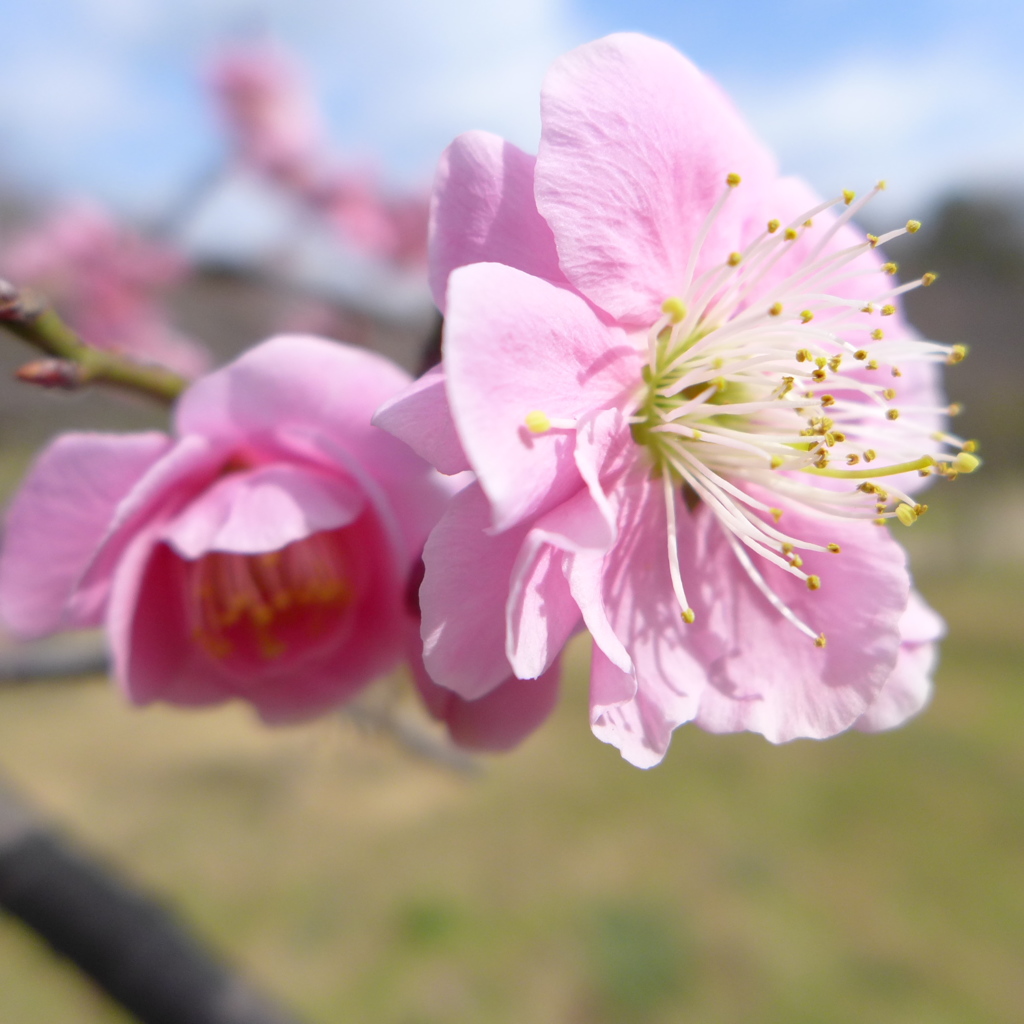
x=31 y=318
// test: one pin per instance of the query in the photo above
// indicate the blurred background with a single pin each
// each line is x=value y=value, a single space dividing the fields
x=239 y=168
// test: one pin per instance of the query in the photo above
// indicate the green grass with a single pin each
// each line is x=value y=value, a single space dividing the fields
x=868 y=878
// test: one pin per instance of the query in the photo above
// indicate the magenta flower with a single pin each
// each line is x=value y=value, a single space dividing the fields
x=687 y=394
x=109 y=283
x=263 y=552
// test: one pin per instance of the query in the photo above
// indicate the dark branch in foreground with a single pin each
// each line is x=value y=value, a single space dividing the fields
x=124 y=940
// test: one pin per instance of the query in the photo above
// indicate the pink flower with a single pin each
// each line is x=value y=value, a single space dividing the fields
x=109 y=283
x=686 y=391
x=263 y=552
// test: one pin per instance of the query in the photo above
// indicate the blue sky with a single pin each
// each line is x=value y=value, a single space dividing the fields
x=103 y=97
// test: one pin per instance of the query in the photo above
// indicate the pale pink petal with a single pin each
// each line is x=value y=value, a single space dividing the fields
x=420 y=417
x=483 y=211
x=635 y=148
x=515 y=344
x=57 y=521
x=909 y=688
x=463 y=597
x=300 y=382
x=263 y=510
x=497 y=721
x=541 y=614
x=770 y=678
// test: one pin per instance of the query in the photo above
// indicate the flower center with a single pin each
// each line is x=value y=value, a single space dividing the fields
x=249 y=610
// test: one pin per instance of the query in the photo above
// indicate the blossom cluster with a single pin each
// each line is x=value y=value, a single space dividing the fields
x=678 y=406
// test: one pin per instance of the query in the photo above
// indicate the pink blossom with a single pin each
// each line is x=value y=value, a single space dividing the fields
x=687 y=394
x=264 y=551
x=109 y=283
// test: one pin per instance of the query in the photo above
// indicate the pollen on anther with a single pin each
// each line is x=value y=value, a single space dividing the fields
x=852 y=459
x=814 y=583
x=913 y=226
x=873 y=240
x=735 y=258
x=888 y=310
x=732 y=180
x=775 y=309
x=688 y=616
x=777 y=461
x=675 y=309
x=957 y=355
x=892 y=414
x=889 y=394
x=890 y=268
x=827 y=400
x=820 y=641
x=773 y=226
x=869 y=308
x=878 y=334
x=872 y=364
x=789 y=234
x=870 y=455
x=906 y=514
x=777 y=513
x=806 y=316
x=834 y=548
x=849 y=195
x=538 y=422
x=928 y=279
x=860 y=354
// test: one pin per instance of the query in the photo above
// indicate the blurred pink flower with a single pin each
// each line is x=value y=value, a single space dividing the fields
x=263 y=552
x=108 y=282
x=276 y=130
x=678 y=393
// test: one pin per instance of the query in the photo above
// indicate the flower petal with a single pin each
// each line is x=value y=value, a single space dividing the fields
x=57 y=521
x=635 y=148
x=516 y=344
x=463 y=597
x=263 y=510
x=483 y=211
x=420 y=416
x=909 y=688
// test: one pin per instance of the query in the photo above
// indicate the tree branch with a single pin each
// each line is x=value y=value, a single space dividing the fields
x=75 y=364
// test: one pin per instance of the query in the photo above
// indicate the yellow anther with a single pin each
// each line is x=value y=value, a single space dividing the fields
x=955 y=408
x=804 y=355
x=819 y=375
x=878 y=522
x=860 y=354
x=820 y=641
x=732 y=180
x=830 y=439
x=697 y=435
x=688 y=616
x=796 y=561
x=787 y=548
x=970 y=446
x=852 y=459
x=892 y=414
x=913 y=226
x=776 y=513
x=872 y=364
x=820 y=362
x=735 y=258
x=834 y=548
x=775 y=309
x=868 y=487
x=827 y=400
x=834 y=363
x=906 y=514
x=929 y=279
x=806 y=316
x=882 y=185
x=808 y=223
x=888 y=309
x=814 y=583
x=773 y=226
x=889 y=268
x=966 y=463
x=719 y=383
x=896 y=371
x=870 y=455
x=789 y=234
x=675 y=309
x=873 y=240
x=888 y=394
x=957 y=355
x=839 y=436
x=920 y=509
x=878 y=334
x=538 y=422
x=777 y=461
x=849 y=195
